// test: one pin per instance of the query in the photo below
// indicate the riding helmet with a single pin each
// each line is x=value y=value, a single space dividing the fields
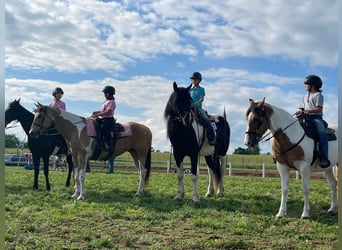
x=196 y=75
x=109 y=89
x=57 y=90
x=313 y=80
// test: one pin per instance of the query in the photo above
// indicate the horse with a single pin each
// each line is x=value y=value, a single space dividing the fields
x=41 y=148
x=187 y=136
x=73 y=128
x=291 y=148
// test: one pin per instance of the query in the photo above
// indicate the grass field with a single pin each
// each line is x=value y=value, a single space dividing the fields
x=111 y=217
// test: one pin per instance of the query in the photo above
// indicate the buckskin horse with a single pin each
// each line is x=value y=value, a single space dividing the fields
x=42 y=147
x=187 y=137
x=74 y=130
x=292 y=149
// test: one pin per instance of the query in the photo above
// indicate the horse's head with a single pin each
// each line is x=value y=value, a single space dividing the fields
x=179 y=103
x=42 y=121
x=11 y=112
x=257 y=122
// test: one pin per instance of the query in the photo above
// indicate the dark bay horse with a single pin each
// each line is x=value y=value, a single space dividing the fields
x=74 y=130
x=42 y=147
x=188 y=138
x=291 y=148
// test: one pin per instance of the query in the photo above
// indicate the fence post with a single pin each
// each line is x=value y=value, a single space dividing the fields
x=263 y=170
x=168 y=166
x=230 y=169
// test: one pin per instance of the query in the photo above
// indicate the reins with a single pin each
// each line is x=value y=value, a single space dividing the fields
x=262 y=138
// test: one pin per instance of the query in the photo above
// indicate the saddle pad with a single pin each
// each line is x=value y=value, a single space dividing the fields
x=126 y=132
x=91 y=131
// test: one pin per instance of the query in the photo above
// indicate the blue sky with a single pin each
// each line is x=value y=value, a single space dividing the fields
x=244 y=49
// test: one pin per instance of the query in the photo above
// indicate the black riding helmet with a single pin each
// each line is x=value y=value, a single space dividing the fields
x=196 y=75
x=57 y=90
x=109 y=89
x=313 y=80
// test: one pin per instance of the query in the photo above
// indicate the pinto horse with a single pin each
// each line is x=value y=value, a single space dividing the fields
x=42 y=147
x=291 y=148
x=74 y=130
x=187 y=137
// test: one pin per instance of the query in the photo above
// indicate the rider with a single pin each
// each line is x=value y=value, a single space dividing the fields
x=106 y=117
x=197 y=94
x=312 y=105
x=57 y=93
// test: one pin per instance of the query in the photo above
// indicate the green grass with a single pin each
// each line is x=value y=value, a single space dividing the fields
x=111 y=217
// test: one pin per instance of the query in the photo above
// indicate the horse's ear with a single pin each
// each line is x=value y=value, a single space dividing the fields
x=251 y=102
x=262 y=102
x=17 y=100
x=175 y=87
x=189 y=87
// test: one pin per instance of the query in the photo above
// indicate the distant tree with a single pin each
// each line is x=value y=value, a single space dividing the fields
x=246 y=151
x=11 y=141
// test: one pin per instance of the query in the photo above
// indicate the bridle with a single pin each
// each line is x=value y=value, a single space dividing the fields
x=262 y=117
x=42 y=129
x=259 y=137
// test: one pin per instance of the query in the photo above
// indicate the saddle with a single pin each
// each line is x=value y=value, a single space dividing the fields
x=101 y=141
x=311 y=132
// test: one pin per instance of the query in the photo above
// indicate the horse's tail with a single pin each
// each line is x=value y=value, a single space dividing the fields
x=148 y=167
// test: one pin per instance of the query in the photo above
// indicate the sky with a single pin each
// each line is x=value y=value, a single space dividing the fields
x=243 y=49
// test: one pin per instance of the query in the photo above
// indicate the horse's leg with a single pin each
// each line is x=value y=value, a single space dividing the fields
x=36 y=161
x=333 y=187
x=210 y=190
x=222 y=162
x=180 y=177
x=77 y=182
x=46 y=171
x=305 y=174
x=82 y=172
x=70 y=168
x=194 y=177
x=142 y=173
x=284 y=173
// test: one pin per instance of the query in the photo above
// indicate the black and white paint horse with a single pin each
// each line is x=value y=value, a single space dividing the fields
x=187 y=136
x=291 y=148
x=42 y=147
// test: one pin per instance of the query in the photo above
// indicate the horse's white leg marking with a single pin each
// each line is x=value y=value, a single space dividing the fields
x=210 y=190
x=81 y=177
x=77 y=183
x=180 y=176
x=142 y=174
x=195 y=196
x=333 y=184
x=305 y=173
x=284 y=172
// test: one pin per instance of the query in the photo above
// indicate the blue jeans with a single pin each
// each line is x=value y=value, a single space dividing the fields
x=111 y=164
x=210 y=129
x=318 y=123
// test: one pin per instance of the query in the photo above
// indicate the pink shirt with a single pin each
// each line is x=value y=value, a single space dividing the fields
x=58 y=104
x=108 y=105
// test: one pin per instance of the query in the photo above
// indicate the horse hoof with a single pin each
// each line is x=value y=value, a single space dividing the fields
x=178 y=198
x=305 y=217
x=138 y=193
x=208 y=195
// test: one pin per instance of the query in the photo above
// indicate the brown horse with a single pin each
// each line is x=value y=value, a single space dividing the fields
x=74 y=130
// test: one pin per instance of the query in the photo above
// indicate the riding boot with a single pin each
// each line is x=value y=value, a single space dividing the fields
x=324 y=162
x=109 y=142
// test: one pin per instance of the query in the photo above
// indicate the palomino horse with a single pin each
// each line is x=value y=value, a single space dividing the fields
x=291 y=148
x=74 y=130
x=188 y=138
x=41 y=147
